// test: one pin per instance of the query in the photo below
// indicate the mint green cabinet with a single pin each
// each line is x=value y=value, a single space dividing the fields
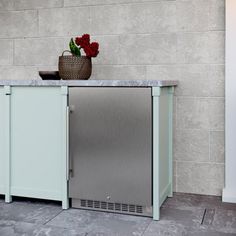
x=2 y=163
x=162 y=146
x=38 y=143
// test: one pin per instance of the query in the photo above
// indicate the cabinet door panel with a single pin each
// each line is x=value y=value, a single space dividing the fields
x=2 y=173
x=36 y=142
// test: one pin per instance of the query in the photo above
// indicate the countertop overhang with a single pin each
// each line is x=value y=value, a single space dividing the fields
x=90 y=83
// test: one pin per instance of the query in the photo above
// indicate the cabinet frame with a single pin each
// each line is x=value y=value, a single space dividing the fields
x=162 y=154
x=60 y=189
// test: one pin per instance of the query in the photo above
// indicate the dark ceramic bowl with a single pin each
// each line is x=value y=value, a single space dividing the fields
x=49 y=75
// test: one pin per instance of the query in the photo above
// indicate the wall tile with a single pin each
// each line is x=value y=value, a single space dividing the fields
x=191 y=145
x=207 y=47
x=62 y=22
x=217 y=114
x=174 y=184
x=174 y=168
x=200 y=113
x=34 y=4
x=216 y=14
x=108 y=50
x=6 y=49
x=15 y=24
x=77 y=21
x=158 y=49
x=192 y=113
x=200 y=15
x=51 y=22
x=118 y=19
x=6 y=5
x=192 y=48
x=217 y=146
x=216 y=47
x=199 y=80
x=216 y=77
x=18 y=72
x=133 y=18
x=192 y=15
x=200 y=178
x=160 y=17
x=162 y=72
x=101 y=72
x=193 y=80
x=38 y=51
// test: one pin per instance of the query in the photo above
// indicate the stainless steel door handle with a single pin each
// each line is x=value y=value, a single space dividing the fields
x=70 y=158
x=67 y=142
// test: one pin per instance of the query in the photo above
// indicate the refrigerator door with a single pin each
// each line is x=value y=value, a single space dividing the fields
x=111 y=145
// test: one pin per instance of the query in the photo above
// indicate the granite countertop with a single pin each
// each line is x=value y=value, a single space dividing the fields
x=91 y=83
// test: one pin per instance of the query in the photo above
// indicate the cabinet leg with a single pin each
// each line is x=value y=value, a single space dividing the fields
x=171 y=191
x=65 y=204
x=156 y=214
x=8 y=198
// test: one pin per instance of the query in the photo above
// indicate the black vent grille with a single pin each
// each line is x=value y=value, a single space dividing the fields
x=119 y=207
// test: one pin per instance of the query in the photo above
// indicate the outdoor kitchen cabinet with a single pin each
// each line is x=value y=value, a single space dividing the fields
x=35 y=144
x=34 y=137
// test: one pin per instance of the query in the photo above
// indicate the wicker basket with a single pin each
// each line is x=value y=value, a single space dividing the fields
x=74 y=68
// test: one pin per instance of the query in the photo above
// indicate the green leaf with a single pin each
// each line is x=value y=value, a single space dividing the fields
x=74 y=49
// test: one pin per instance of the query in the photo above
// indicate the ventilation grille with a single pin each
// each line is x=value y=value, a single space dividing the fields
x=135 y=209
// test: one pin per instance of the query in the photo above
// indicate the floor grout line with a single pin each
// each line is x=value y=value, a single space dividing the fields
x=146 y=228
x=53 y=218
x=203 y=217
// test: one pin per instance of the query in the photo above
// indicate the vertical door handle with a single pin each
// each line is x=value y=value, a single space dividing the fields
x=70 y=154
x=67 y=143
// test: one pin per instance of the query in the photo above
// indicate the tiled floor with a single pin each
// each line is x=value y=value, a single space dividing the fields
x=184 y=214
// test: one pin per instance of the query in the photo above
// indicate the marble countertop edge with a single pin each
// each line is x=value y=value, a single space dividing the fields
x=90 y=83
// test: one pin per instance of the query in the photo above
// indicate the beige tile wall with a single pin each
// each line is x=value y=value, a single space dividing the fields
x=139 y=39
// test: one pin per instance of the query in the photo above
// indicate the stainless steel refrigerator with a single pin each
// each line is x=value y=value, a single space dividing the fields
x=111 y=149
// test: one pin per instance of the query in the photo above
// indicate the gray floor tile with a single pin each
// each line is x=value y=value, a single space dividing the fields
x=100 y=223
x=166 y=227
x=195 y=200
x=15 y=228
x=207 y=232
x=189 y=216
x=225 y=221
x=208 y=217
x=171 y=228
x=29 y=212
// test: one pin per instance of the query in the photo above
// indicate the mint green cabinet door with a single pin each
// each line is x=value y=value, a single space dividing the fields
x=37 y=142
x=2 y=163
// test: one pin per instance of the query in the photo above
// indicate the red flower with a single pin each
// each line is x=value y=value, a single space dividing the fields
x=83 y=41
x=92 y=49
x=86 y=39
x=94 y=46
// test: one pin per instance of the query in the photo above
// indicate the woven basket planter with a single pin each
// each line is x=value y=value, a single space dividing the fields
x=74 y=68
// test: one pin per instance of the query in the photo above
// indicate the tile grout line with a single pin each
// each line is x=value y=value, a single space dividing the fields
x=53 y=217
x=155 y=33
x=203 y=217
x=146 y=228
